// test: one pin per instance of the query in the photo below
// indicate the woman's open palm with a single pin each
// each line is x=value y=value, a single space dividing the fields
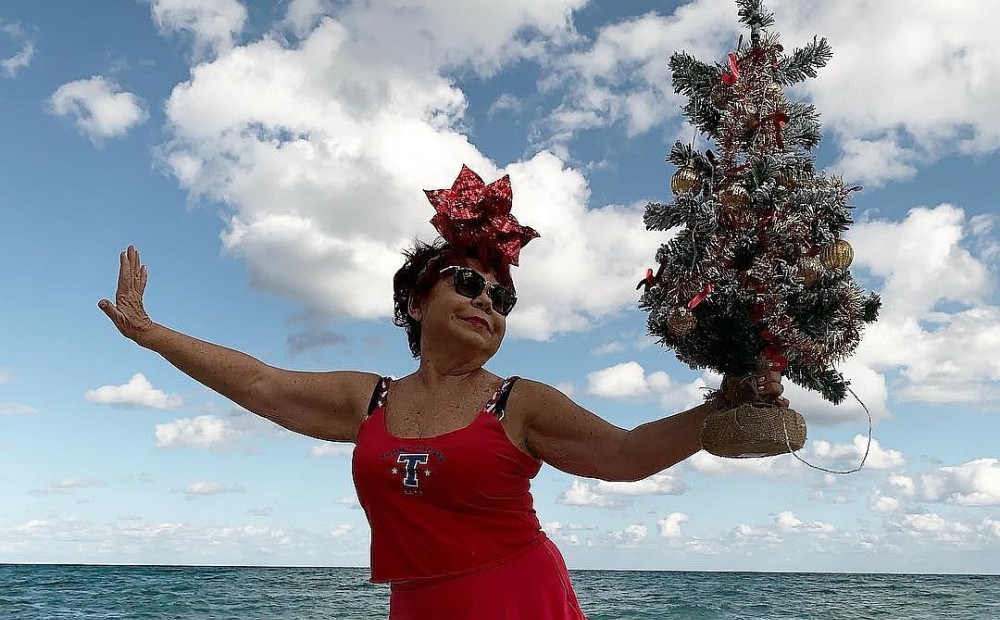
x=127 y=313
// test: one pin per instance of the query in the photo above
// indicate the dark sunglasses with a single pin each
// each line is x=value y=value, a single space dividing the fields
x=470 y=283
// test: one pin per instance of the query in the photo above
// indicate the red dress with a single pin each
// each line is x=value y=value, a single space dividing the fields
x=453 y=526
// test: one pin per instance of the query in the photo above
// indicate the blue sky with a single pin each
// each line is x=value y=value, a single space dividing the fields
x=268 y=160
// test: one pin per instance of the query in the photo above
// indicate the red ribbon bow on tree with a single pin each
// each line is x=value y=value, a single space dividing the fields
x=472 y=214
x=779 y=119
x=734 y=71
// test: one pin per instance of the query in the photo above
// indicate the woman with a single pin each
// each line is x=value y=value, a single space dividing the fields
x=443 y=456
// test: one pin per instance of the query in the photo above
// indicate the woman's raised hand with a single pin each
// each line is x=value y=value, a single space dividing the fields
x=127 y=312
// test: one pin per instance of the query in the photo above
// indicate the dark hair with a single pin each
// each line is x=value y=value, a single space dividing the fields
x=419 y=274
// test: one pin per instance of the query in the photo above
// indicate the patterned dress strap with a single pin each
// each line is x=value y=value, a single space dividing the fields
x=378 y=395
x=498 y=402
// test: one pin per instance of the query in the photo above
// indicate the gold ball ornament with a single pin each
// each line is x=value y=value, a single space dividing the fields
x=810 y=269
x=681 y=321
x=734 y=196
x=837 y=256
x=685 y=181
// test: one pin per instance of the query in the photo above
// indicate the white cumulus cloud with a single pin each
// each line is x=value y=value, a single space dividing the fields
x=206 y=431
x=211 y=23
x=670 y=526
x=568 y=533
x=138 y=392
x=875 y=161
x=135 y=540
x=902 y=484
x=321 y=148
x=880 y=502
x=340 y=531
x=847 y=456
x=989 y=528
x=303 y=15
x=604 y=494
x=902 y=52
x=933 y=526
x=16 y=33
x=581 y=493
x=870 y=386
x=625 y=380
x=629 y=380
x=786 y=521
x=879 y=69
x=202 y=488
x=976 y=483
x=98 y=107
x=631 y=535
x=623 y=77
x=836 y=456
x=933 y=264
x=663 y=483
x=710 y=465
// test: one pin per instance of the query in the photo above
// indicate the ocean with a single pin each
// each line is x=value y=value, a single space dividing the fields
x=50 y=592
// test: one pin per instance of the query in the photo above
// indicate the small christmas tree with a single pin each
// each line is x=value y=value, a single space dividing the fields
x=757 y=277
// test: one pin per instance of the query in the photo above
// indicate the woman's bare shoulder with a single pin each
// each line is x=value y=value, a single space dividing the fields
x=532 y=398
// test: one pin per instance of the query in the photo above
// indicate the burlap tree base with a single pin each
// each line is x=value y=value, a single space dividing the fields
x=751 y=431
x=743 y=426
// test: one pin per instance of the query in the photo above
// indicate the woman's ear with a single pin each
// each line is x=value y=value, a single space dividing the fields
x=413 y=309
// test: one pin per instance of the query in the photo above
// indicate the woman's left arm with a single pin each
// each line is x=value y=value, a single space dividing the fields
x=570 y=438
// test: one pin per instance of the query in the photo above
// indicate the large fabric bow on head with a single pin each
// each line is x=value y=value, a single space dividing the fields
x=472 y=214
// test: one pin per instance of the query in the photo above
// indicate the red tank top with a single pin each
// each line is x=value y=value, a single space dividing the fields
x=443 y=505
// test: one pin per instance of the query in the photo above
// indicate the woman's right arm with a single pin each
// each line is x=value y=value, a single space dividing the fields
x=325 y=405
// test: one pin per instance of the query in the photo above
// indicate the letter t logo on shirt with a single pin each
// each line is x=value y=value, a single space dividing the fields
x=411 y=461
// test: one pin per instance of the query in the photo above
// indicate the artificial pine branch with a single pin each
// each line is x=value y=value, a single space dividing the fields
x=659 y=216
x=704 y=117
x=827 y=381
x=695 y=80
x=752 y=13
x=870 y=308
x=803 y=129
x=803 y=62
x=690 y=76
x=684 y=154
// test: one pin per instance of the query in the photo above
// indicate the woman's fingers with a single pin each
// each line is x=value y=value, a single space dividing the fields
x=138 y=271
x=124 y=273
x=133 y=259
x=130 y=277
x=127 y=312
x=113 y=313
x=769 y=385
